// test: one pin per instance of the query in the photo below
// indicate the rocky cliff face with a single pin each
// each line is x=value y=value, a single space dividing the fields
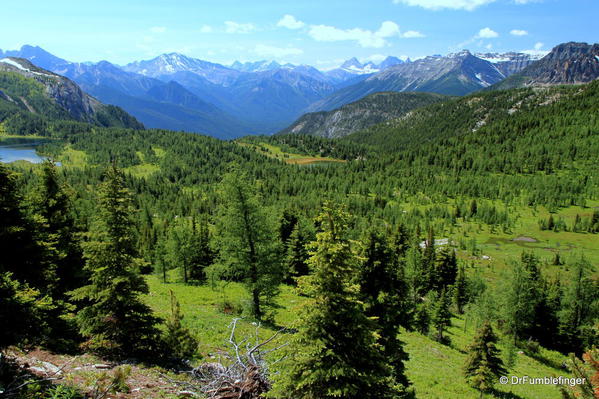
x=62 y=90
x=65 y=94
x=568 y=63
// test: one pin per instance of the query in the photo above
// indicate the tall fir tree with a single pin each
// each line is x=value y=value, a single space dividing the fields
x=483 y=365
x=250 y=250
x=57 y=228
x=297 y=255
x=386 y=298
x=441 y=316
x=580 y=310
x=114 y=319
x=445 y=269
x=335 y=351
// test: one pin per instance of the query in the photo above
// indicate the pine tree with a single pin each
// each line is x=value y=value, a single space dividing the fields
x=445 y=269
x=249 y=246
x=22 y=252
x=422 y=319
x=579 y=309
x=114 y=319
x=335 y=353
x=56 y=227
x=202 y=255
x=483 y=365
x=178 y=339
x=297 y=255
x=385 y=295
x=441 y=316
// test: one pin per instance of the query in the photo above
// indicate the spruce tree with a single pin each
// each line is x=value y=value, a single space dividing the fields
x=178 y=339
x=385 y=295
x=297 y=255
x=445 y=269
x=249 y=247
x=422 y=319
x=57 y=228
x=114 y=319
x=483 y=365
x=580 y=308
x=335 y=353
x=441 y=316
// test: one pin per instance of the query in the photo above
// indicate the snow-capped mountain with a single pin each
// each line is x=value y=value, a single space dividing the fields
x=512 y=62
x=258 y=66
x=455 y=74
x=167 y=64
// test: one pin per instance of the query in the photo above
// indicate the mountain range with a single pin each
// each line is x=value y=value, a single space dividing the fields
x=26 y=88
x=173 y=91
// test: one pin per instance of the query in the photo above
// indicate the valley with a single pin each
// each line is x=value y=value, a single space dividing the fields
x=408 y=217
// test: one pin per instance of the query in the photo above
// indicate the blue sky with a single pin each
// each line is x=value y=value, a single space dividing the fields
x=320 y=33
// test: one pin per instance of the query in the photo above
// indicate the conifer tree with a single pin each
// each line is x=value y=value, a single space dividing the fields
x=22 y=253
x=335 y=353
x=460 y=290
x=249 y=246
x=483 y=365
x=57 y=228
x=297 y=255
x=580 y=308
x=385 y=295
x=178 y=339
x=445 y=269
x=114 y=319
x=422 y=319
x=441 y=316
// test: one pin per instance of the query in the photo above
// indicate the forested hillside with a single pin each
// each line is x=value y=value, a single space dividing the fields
x=372 y=109
x=422 y=257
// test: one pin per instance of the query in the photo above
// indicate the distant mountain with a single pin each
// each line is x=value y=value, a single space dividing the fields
x=140 y=96
x=510 y=63
x=370 y=110
x=165 y=65
x=42 y=92
x=568 y=63
x=258 y=66
x=456 y=74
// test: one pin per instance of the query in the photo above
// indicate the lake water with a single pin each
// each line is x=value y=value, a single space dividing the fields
x=19 y=149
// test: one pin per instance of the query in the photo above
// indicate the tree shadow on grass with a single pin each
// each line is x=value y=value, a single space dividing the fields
x=504 y=395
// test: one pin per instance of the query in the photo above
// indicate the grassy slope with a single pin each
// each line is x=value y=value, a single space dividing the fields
x=434 y=369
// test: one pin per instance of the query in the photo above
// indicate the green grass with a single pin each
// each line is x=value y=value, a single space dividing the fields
x=434 y=369
x=273 y=151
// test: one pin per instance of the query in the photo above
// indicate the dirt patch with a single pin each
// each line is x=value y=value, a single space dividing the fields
x=84 y=371
x=525 y=239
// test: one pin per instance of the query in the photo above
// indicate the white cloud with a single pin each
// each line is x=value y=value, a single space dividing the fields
x=412 y=34
x=289 y=22
x=440 y=4
x=206 y=29
x=486 y=33
x=539 y=45
x=158 y=29
x=364 y=37
x=518 y=32
x=468 y=5
x=489 y=46
x=235 y=27
x=264 y=50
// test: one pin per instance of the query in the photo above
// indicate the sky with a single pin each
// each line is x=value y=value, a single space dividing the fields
x=321 y=33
